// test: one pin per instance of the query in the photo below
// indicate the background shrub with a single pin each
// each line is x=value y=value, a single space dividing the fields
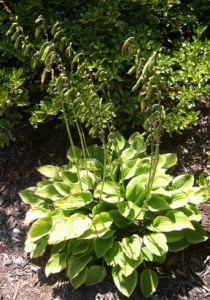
x=97 y=32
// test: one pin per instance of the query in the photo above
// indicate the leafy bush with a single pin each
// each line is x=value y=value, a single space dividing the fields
x=87 y=36
x=112 y=207
x=12 y=94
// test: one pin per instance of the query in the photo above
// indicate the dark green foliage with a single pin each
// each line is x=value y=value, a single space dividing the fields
x=96 y=31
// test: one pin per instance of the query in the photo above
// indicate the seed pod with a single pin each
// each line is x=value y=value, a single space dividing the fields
x=37 y=31
x=126 y=43
x=44 y=45
x=58 y=34
x=47 y=60
x=55 y=27
x=143 y=105
x=13 y=26
x=68 y=51
x=34 y=62
x=17 y=42
x=131 y=70
x=44 y=73
x=46 y=52
x=27 y=49
x=15 y=35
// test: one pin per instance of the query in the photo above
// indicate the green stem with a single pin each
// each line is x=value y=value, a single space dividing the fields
x=71 y=143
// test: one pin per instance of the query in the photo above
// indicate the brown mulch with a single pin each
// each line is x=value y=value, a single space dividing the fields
x=184 y=276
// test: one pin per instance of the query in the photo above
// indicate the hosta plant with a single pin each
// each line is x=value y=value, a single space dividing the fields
x=109 y=210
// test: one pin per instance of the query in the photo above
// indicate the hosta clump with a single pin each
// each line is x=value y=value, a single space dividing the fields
x=103 y=209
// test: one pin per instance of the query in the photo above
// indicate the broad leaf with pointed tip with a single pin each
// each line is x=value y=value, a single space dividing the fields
x=95 y=274
x=137 y=142
x=40 y=228
x=183 y=181
x=156 y=243
x=55 y=264
x=148 y=282
x=132 y=246
x=125 y=284
x=29 y=197
x=48 y=192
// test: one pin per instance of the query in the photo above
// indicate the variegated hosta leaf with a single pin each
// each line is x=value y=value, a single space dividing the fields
x=156 y=243
x=132 y=246
x=183 y=182
x=95 y=274
x=55 y=264
x=148 y=282
x=66 y=228
x=49 y=171
x=125 y=284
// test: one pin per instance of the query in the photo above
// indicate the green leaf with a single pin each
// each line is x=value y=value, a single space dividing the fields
x=196 y=195
x=130 y=210
x=80 y=246
x=111 y=256
x=163 y=224
x=62 y=188
x=156 y=243
x=69 y=177
x=103 y=207
x=144 y=166
x=108 y=188
x=78 y=280
x=40 y=228
x=183 y=181
x=147 y=254
x=161 y=179
x=74 y=201
x=129 y=168
x=49 y=171
x=109 y=192
x=95 y=275
x=135 y=190
x=101 y=246
x=178 y=245
x=34 y=214
x=174 y=236
x=132 y=246
x=167 y=161
x=127 y=154
x=96 y=152
x=88 y=179
x=148 y=282
x=178 y=199
x=137 y=142
x=65 y=228
x=179 y=219
x=100 y=226
x=197 y=235
x=118 y=219
x=91 y=164
x=192 y=212
x=76 y=264
x=40 y=247
x=48 y=192
x=29 y=197
x=128 y=265
x=125 y=284
x=158 y=202
x=116 y=141
x=55 y=264
x=70 y=153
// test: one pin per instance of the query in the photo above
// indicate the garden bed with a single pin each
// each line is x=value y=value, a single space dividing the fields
x=185 y=275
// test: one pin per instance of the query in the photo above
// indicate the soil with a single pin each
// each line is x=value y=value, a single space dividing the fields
x=184 y=275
